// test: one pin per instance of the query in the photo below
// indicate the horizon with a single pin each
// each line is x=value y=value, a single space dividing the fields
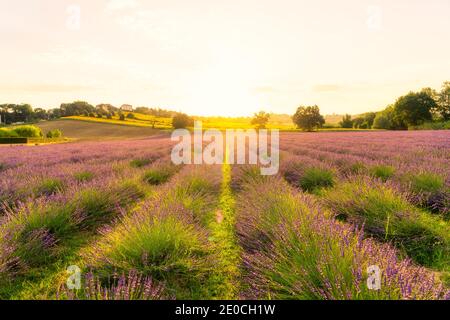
x=226 y=59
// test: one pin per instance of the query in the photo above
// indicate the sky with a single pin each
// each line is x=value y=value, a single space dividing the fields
x=227 y=57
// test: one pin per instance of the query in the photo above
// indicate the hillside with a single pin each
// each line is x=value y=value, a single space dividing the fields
x=85 y=130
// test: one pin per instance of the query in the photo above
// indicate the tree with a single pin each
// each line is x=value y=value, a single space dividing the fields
x=308 y=118
x=260 y=120
x=443 y=105
x=76 y=108
x=346 y=121
x=41 y=114
x=413 y=109
x=364 y=121
x=358 y=122
x=384 y=119
x=181 y=121
x=55 y=133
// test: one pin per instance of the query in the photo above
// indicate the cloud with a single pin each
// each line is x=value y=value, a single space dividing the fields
x=326 y=88
x=116 y=5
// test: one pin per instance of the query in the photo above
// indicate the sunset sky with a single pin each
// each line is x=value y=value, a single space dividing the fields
x=227 y=57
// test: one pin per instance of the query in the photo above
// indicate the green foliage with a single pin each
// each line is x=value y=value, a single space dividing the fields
x=181 y=121
x=28 y=131
x=121 y=116
x=364 y=121
x=83 y=176
x=8 y=133
x=383 y=120
x=77 y=108
x=159 y=175
x=34 y=231
x=49 y=186
x=383 y=172
x=260 y=120
x=346 y=121
x=139 y=163
x=426 y=182
x=437 y=125
x=316 y=178
x=54 y=134
x=131 y=116
x=164 y=248
x=99 y=206
x=308 y=118
x=413 y=109
x=443 y=105
x=13 y=113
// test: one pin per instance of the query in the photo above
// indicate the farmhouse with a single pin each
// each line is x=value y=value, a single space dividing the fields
x=126 y=107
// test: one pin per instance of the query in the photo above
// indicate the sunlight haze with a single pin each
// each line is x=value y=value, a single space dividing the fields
x=229 y=58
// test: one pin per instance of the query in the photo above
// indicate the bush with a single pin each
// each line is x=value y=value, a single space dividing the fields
x=316 y=178
x=92 y=115
x=28 y=131
x=139 y=163
x=122 y=117
x=49 y=187
x=52 y=134
x=8 y=133
x=84 y=176
x=426 y=182
x=131 y=116
x=99 y=206
x=383 y=172
x=32 y=236
x=161 y=243
x=160 y=175
x=309 y=177
x=181 y=121
x=428 y=191
x=438 y=125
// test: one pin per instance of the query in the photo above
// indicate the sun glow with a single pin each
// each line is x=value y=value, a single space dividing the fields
x=225 y=88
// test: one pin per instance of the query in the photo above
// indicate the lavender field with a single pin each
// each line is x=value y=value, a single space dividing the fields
x=138 y=227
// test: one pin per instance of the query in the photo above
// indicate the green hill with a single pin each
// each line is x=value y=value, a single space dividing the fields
x=85 y=130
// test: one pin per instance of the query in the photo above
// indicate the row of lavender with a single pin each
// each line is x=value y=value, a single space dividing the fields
x=415 y=163
x=33 y=172
x=359 y=200
x=55 y=199
x=295 y=249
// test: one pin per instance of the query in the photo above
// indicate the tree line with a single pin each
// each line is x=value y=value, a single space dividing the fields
x=412 y=109
x=25 y=113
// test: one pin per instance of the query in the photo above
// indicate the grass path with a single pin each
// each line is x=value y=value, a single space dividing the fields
x=225 y=282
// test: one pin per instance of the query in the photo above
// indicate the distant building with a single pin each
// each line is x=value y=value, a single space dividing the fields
x=104 y=107
x=126 y=107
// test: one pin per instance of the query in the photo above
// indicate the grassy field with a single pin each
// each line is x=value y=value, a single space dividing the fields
x=87 y=130
x=279 y=122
